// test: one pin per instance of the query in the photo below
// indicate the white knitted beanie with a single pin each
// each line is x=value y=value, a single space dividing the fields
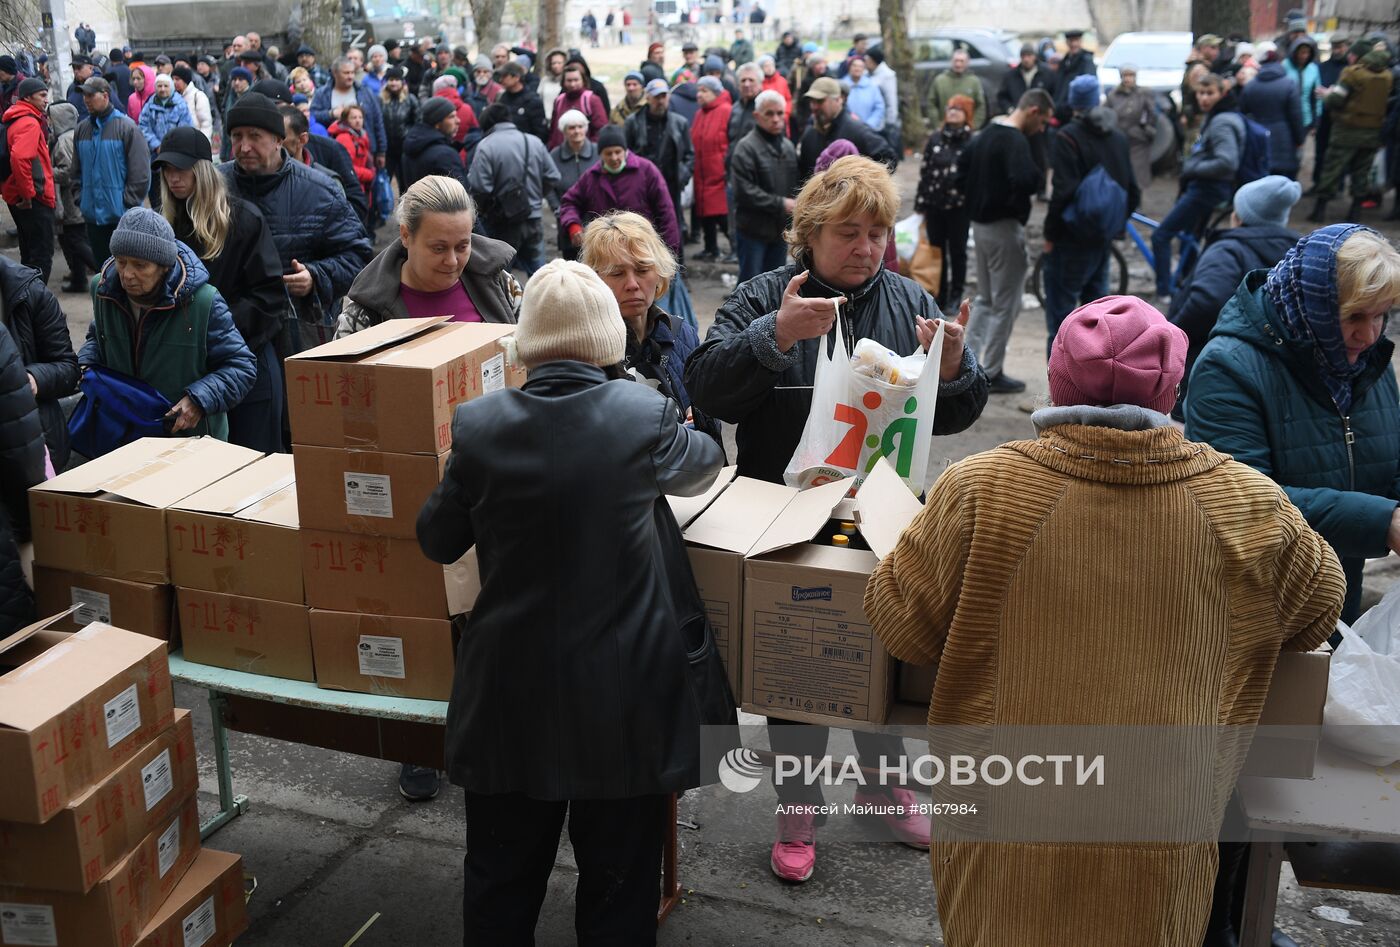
x=569 y=313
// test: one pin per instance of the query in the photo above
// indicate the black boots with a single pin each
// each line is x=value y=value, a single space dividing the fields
x=1319 y=211
x=1353 y=212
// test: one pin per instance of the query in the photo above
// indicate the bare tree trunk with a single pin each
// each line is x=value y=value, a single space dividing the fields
x=894 y=39
x=1221 y=17
x=549 y=37
x=322 y=28
x=487 y=14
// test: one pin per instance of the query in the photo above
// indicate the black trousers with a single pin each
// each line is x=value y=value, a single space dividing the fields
x=947 y=230
x=512 y=841
x=792 y=738
x=35 y=226
x=76 y=250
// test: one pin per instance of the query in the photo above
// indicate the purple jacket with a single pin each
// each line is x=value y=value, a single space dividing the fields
x=638 y=187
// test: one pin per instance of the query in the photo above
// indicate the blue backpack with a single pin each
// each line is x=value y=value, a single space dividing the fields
x=116 y=409
x=1099 y=206
x=1255 y=156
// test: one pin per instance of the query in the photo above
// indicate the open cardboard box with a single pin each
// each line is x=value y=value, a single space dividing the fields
x=107 y=517
x=73 y=708
x=239 y=534
x=207 y=907
x=393 y=387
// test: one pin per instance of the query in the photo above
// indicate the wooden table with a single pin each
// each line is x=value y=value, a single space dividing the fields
x=1345 y=800
x=400 y=729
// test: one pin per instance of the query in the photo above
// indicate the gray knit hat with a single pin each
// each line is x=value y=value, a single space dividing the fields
x=144 y=234
x=1267 y=200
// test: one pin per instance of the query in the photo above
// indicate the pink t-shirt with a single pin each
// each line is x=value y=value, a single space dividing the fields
x=454 y=302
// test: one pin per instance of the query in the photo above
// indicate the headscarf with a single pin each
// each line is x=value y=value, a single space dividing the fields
x=1303 y=288
x=136 y=101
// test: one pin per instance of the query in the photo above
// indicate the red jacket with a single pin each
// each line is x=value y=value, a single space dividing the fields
x=710 y=135
x=776 y=83
x=466 y=118
x=31 y=168
x=587 y=102
x=357 y=143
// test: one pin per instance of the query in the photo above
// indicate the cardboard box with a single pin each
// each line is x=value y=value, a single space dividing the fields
x=119 y=906
x=393 y=387
x=246 y=634
x=380 y=575
x=135 y=606
x=206 y=909
x=377 y=654
x=366 y=492
x=1294 y=704
x=73 y=708
x=107 y=517
x=809 y=652
x=239 y=535
x=95 y=831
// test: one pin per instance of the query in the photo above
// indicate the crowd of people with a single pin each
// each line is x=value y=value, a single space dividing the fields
x=221 y=213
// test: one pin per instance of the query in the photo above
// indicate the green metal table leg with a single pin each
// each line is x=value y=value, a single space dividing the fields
x=230 y=806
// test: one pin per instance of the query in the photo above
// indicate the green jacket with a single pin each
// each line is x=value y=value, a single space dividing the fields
x=1255 y=394
x=1362 y=92
x=945 y=86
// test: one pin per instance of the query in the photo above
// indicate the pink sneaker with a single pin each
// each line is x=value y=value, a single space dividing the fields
x=911 y=828
x=795 y=851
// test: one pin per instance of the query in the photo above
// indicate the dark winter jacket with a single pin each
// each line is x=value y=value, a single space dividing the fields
x=786 y=54
x=111 y=167
x=163 y=345
x=1087 y=142
x=998 y=175
x=1072 y=66
x=674 y=155
x=1271 y=99
x=741 y=119
x=39 y=327
x=1256 y=394
x=1218 y=153
x=814 y=141
x=428 y=151
x=659 y=361
x=376 y=294
x=21 y=467
x=526 y=111
x=684 y=101
x=374 y=117
x=616 y=715
x=763 y=169
x=312 y=223
x=400 y=115
x=247 y=273
x=1013 y=86
x=571 y=166
x=938 y=175
x=637 y=187
x=738 y=375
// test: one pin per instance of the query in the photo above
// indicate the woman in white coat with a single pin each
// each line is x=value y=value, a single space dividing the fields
x=197 y=101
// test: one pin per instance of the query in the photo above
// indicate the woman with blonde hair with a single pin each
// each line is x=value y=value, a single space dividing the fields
x=1296 y=381
x=624 y=249
x=233 y=241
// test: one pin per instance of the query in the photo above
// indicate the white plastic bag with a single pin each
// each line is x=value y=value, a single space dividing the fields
x=1362 y=715
x=906 y=237
x=855 y=420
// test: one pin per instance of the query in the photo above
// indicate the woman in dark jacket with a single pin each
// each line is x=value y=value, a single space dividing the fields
x=584 y=622
x=1271 y=98
x=428 y=147
x=21 y=467
x=400 y=108
x=38 y=325
x=436 y=267
x=234 y=243
x=1296 y=382
x=944 y=207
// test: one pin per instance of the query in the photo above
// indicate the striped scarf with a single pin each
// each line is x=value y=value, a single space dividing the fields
x=1303 y=288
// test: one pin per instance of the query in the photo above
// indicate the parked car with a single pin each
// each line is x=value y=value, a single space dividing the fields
x=991 y=53
x=1161 y=61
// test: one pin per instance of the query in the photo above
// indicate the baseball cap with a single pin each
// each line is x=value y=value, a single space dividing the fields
x=182 y=147
x=1210 y=39
x=689 y=47
x=658 y=87
x=95 y=85
x=824 y=88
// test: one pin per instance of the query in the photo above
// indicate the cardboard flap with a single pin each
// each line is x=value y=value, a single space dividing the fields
x=279 y=509
x=365 y=341
x=81 y=663
x=242 y=488
x=803 y=516
x=28 y=631
x=191 y=464
x=737 y=518
x=885 y=507
x=1298 y=690
x=686 y=509
x=93 y=476
x=436 y=348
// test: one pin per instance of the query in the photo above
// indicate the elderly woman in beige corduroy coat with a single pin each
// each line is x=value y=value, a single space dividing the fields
x=1108 y=574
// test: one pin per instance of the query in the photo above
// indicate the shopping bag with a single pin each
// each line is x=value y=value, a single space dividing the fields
x=907 y=234
x=115 y=409
x=383 y=195
x=856 y=419
x=1362 y=714
x=927 y=268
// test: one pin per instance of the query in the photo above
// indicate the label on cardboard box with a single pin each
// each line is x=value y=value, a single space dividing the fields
x=201 y=925
x=368 y=494
x=168 y=847
x=493 y=374
x=123 y=716
x=28 y=925
x=381 y=656
x=156 y=779
x=93 y=606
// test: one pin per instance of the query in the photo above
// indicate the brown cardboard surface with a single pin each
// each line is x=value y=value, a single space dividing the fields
x=246 y=634
x=113 y=913
x=367 y=492
x=107 y=517
x=79 y=707
x=1295 y=700
x=242 y=488
x=686 y=509
x=92 y=833
x=415 y=654
x=884 y=507
x=207 y=907
x=397 y=395
x=719 y=576
x=135 y=606
x=372 y=574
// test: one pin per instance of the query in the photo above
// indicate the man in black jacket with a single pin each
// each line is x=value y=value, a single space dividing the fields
x=428 y=147
x=21 y=467
x=1078 y=62
x=763 y=169
x=526 y=109
x=40 y=329
x=1030 y=74
x=1076 y=258
x=663 y=138
x=327 y=153
x=831 y=121
x=999 y=177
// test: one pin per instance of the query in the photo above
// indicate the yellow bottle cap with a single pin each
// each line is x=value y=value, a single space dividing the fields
x=840 y=540
x=848 y=527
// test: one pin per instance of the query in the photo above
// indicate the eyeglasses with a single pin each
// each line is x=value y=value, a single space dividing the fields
x=770 y=113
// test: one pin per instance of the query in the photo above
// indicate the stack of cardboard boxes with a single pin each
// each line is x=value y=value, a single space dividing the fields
x=371 y=418
x=99 y=831
x=100 y=530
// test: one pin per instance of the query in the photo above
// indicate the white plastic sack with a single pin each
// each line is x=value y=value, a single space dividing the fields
x=1362 y=715
x=906 y=237
x=688 y=194
x=855 y=420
